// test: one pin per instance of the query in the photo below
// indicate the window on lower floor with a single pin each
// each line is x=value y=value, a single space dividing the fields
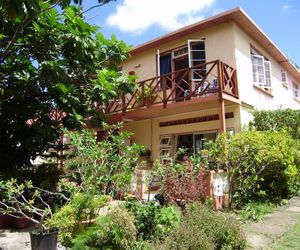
x=296 y=92
x=166 y=149
x=193 y=143
x=261 y=69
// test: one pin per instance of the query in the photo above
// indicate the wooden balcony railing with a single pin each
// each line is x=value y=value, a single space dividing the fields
x=182 y=85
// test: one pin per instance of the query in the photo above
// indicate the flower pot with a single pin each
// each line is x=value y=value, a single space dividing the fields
x=6 y=221
x=43 y=241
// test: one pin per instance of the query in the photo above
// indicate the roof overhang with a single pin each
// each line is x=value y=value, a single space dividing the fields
x=238 y=16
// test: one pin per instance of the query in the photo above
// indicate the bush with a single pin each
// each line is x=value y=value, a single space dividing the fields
x=153 y=221
x=105 y=166
x=262 y=165
x=113 y=231
x=202 y=228
x=183 y=181
x=74 y=217
x=186 y=238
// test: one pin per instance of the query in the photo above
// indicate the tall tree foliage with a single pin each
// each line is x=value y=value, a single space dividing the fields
x=55 y=69
x=276 y=120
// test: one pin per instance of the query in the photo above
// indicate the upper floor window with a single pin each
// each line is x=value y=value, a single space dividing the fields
x=196 y=50
x=261 y=69
x=296 y=91
x=283 y=77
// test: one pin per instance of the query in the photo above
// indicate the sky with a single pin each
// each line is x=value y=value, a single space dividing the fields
x=138 y=21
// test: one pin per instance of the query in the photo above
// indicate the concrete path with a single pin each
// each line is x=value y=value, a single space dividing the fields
x=261 y=235
x=14 y=240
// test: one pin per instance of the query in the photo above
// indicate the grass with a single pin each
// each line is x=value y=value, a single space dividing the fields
x=290 y=240
x=255 y=211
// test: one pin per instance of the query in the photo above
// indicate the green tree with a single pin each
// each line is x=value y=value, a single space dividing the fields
x=55 y=69
x=276 y=120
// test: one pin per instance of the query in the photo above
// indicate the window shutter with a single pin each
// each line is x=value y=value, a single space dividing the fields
x=258 y=68
x=283 y=77
x=166 y=144
x=267 y=65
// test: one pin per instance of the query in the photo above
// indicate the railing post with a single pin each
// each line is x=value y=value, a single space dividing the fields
x=143 y=94
x=123 y=104
x=164 y=82
x=220 y=76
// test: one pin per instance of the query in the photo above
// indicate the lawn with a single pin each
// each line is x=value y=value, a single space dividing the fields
x=290 y=240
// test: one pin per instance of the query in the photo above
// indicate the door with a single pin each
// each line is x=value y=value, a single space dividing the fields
x=201 y=139
x=165 y=68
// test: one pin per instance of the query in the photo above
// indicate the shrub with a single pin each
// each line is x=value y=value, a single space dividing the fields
x=183 y=181
x=185 y=238
x=75 y=216
x=202 y=228
x=104 y=166
x=113 y=231
x=262 y=165
x=153 y=221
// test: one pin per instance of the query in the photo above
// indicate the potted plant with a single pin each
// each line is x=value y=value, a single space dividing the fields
x=33 y=203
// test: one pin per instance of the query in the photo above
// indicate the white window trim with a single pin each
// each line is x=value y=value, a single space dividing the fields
x=286 y=78
x=296 y=90
x=166 y=148
x=190 y=50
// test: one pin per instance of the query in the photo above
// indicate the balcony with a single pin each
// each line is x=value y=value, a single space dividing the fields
x=212 y=79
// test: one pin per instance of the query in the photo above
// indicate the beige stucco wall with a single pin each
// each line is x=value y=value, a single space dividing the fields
x=141 y=132
x=218 y=45
x=148 y=132
x=280 y=97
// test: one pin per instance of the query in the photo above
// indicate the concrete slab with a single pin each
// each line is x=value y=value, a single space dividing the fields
x=258 y=241
x=261 y=235
x=10 y=240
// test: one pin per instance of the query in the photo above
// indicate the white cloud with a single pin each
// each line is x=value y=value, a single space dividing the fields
x=217 y=11
x=136 y=16
x=286 y=7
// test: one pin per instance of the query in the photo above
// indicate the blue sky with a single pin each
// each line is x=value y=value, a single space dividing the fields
x=137 y=21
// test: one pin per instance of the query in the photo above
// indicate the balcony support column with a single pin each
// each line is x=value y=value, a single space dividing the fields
x=221 y=100
x=222 y=116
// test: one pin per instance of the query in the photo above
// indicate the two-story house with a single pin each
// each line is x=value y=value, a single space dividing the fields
x=202 y=80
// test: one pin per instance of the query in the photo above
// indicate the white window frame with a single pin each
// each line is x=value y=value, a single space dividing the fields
x=182 y=49
x=192 y=61
x=190 y=51
x=296 y=91
x=265 y=75
x=284 y=78
x=166 y=149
